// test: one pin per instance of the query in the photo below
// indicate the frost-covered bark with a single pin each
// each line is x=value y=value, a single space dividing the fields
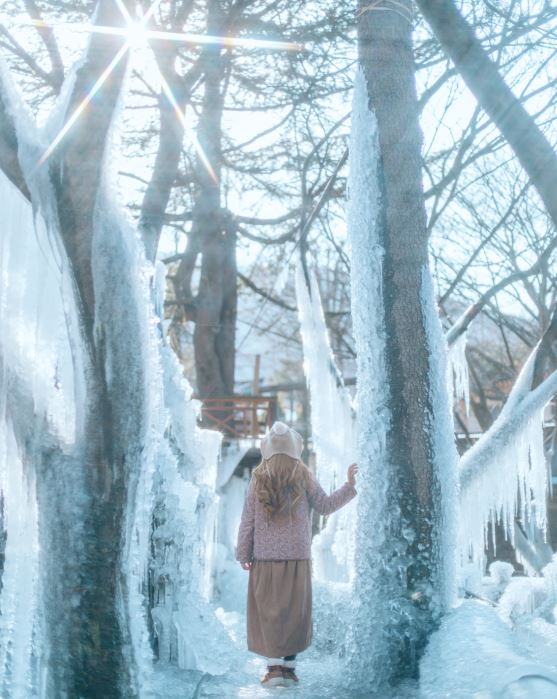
x=404 y=566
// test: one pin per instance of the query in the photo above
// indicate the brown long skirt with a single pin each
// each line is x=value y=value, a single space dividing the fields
x=279 y=607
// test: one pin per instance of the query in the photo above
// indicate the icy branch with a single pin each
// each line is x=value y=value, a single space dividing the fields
x=462 y=324
x=529 y=395
x=508 y=424
x=506 y=469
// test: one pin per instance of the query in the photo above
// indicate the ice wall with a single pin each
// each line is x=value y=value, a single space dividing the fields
x=34 y=338
x=231 y=580
x=42 y=370
x=184 y=531
x=333 y=428
x=37 y=376
x=19 y=623
x=172 y=483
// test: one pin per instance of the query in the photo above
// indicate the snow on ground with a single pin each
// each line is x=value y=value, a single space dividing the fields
x=502 y=648
x=321 y=676
x=476 y=654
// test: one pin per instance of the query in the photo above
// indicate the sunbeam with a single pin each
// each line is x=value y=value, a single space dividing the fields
x=135 y=27
x=83 y=104
x=182 y=118
x=101 y=80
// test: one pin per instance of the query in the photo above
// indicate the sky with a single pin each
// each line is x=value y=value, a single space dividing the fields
x=441 y=128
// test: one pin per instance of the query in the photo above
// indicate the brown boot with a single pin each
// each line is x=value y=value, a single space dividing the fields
x=274 y=676
x=289 y=675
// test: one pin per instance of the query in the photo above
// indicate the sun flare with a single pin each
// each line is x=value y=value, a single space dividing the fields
x=137 y=35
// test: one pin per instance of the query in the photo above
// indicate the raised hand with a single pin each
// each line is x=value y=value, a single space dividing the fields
x=351 y=476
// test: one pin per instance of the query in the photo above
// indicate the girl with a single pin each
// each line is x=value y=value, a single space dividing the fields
x=274 y=544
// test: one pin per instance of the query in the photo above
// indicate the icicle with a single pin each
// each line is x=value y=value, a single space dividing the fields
x=506 y=470
x=160 y=288
x=333 y=432
x=282 y=279
x=445 y=454
x=458 y=379
x=332 y=412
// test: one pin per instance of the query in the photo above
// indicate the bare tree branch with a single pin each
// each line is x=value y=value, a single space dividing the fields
x=266 y=295
x=482 y=77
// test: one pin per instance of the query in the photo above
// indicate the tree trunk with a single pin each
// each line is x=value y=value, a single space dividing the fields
x=216 y=301
x=158 y=190
x=415 y=465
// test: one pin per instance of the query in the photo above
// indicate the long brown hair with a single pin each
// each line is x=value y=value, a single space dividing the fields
x=280 y=482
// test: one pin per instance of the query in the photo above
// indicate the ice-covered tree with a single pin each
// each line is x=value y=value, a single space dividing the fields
x=408 y=460
x=85 y=489
x=404 y=560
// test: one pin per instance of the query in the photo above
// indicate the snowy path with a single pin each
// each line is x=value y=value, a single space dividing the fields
x=321 y=676
x=475 y=654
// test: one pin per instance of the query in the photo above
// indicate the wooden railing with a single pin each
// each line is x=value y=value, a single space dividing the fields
x=238 y=417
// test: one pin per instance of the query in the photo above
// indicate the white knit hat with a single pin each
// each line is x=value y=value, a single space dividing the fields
x=282 y=439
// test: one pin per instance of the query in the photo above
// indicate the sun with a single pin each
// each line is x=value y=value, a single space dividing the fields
x=136 y=35
x=136 y=32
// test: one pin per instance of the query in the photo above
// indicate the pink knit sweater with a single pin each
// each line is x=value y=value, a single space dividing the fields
x=285 y=536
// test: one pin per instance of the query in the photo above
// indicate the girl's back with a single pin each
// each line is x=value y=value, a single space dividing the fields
x=277 y=521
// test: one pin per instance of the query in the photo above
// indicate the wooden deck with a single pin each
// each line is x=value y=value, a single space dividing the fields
x=239 y=417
